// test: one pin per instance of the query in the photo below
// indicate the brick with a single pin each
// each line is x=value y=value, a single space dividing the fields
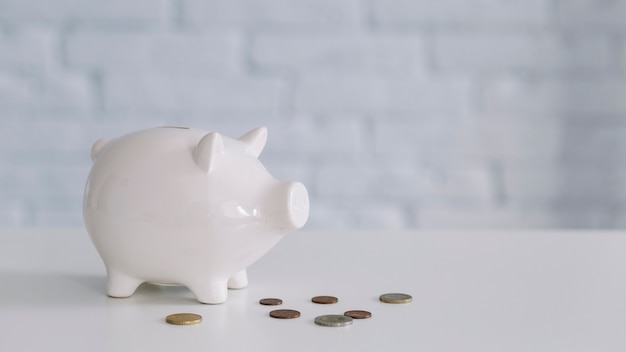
x=592 y=143
x=546 y=52
x=563 y=184
x=342 y=215
x=157 y=52
x=406 y=181
x=184 y=94
x=339 y=137
x=481 y=138
x=50 y=180
x=58 y=211
x=588 y=95
x=325 y=214
x=460 y=12
x=591 y=13
x=28 y=49
x=85 y=11
x=411 y=135
x=534 y=181
x=428 y=181
x=340 y=181
x=272 y=13
x=68 y=135
x=383 y=94
x=508 y=137
x=459 y=217
x=379 y=215
x=16 y=212
x=622 y=56
x=55 y=91
x=41 y=211
x=392 y=54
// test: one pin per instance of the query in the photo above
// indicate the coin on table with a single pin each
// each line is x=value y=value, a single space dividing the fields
x=271 y=301
x=396 y=298
x=358 y=314
x=183 y=319
x=324 y=299
x=284 y=314
x=333 y=320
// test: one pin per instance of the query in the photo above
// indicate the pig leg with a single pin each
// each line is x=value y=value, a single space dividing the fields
x=121 y=285
x=210 y=291
x=239 y=280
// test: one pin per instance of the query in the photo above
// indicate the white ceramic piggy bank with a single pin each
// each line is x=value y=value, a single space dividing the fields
x=184 y=206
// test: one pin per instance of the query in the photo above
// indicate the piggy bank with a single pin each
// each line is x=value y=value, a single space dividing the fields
x=183 y=206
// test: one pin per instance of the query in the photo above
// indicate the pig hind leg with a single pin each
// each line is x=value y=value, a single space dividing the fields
x=209 y=291
x=239 y=280
x=120 y=285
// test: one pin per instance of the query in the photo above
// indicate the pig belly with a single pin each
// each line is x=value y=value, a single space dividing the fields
x=141 y=254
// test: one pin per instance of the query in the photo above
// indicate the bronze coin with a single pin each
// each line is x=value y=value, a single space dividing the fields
x=358 y=314
x=271 y=301
x=284 y=314
x=324 y=299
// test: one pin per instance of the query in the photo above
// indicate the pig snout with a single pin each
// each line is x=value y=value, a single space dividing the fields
x=292 y=200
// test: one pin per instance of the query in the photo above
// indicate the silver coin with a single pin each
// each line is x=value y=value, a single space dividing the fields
x=396 y=298
x=333 y=320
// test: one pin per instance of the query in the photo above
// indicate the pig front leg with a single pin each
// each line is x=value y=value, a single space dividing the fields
x=120 y=285
x=213 y=291
x=239 y=280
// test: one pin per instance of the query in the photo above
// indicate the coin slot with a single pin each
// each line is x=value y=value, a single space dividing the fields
x=176 y=127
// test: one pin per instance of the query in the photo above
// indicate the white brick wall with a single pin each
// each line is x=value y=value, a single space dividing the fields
x=510 y=51
x=458 y=13
x=275 y=14
x=186 y=53
x=394 y=113
x=85 y=12
x=382 y=94
x=389 y=54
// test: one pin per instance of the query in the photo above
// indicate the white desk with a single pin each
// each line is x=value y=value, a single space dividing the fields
x=472 y=291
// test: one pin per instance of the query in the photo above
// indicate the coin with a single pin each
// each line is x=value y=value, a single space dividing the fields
x=271 y=301
x=284 y=314
x=324 y=299
x=396 y=298
x=183 y=319
x=358 y=314
x=333 y=320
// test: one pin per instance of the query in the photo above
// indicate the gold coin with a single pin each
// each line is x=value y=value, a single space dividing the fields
x=183 y=319
x=396 y=298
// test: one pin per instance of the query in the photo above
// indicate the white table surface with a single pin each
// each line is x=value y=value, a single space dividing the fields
x=472 y=291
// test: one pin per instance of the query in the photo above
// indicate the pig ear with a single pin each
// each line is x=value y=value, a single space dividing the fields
x=255 y=140
x=98 y=146
x=208 y=151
